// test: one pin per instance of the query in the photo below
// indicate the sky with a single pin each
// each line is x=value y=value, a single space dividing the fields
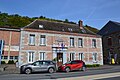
x=95 y=13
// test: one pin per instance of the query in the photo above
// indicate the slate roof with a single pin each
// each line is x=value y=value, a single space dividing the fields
x=109 y=28
x=10 y=28
x=57 y=26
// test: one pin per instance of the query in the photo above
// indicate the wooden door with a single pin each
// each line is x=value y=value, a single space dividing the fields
x=59 y=59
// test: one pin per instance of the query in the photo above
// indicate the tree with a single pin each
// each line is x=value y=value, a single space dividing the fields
x=66 y=20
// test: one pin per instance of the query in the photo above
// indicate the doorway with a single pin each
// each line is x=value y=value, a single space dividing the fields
x=59 y=59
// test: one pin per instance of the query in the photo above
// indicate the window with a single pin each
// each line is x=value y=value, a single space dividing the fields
x=5 y=57
x=30 y=57
x=36 y=63
x=40 y=26
x=42 y=56
x=74 y=62
x=94 y=57
x=109 y=41
x=80 y=42
x=72 y=56
x=80 y=56
x=72 y=42
x=70 y=29
x=32 y=39
x=16 y=57
x=11 y=57
x=93 y=43
x=47 y=63
x=1 y=57
x=42 y=40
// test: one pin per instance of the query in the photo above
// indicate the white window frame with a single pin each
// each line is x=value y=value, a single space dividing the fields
x=5 y=57
x=80 y=56
x=12 y=57
x=72 y=42
x=42 y=40
x=72 y=56
x=95 y=57
x=80 y=42
x=94 y=43
x=32 y=39
x=31 y=57
x=42 y=56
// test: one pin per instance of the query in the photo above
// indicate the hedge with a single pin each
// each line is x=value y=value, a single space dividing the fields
x=3 y=62
x=92 y=65
x=10 y=62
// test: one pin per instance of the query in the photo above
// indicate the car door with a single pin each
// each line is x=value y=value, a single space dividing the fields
x=80 y=64
x=44 y=66
x=36 y=66
x=74 y=65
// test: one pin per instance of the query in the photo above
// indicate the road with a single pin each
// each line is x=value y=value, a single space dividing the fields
x=97 y=74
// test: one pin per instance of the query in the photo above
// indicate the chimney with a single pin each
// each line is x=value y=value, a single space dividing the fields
x=80 y=23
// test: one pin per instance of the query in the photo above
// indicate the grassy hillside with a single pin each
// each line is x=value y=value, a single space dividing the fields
x=20 y=21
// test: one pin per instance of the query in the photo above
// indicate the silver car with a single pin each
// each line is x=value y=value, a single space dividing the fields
x=39 y=66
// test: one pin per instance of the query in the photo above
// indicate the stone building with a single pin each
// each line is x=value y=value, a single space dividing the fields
x=62 y=42
x=111 y=41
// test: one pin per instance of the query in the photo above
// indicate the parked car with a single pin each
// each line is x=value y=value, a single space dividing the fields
x=39 y=66
x=73 y=65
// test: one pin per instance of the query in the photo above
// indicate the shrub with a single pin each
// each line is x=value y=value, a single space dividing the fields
x=92 y=65
x=3 y=62
x=10 y=62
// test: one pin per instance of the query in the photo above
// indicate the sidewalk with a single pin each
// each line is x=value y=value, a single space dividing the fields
x=12 y=69
x=9 y=69
x=102 y=67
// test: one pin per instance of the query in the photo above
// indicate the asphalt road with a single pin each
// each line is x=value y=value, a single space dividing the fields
x=63 y=75
x=113 y=78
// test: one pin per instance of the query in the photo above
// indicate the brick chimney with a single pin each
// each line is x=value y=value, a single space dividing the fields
x=80 y=23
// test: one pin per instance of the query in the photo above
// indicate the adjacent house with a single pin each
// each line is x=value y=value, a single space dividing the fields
x=62 y=42
x=10 y=38
x=111 y=41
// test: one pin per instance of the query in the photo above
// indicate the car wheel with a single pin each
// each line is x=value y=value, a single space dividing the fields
x=50 y=70
x=28 y=71
x=67 y=69
x=83 y=68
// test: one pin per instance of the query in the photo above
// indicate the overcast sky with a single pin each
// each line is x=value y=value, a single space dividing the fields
x=95 y=13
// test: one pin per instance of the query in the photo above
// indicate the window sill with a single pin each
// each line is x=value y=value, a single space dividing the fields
x=72 y=46
x=42 y=45
x=80 y=46
x=31 y=44
x=95 y=61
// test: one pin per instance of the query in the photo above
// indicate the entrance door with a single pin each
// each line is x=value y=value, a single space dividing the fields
x=59 y=59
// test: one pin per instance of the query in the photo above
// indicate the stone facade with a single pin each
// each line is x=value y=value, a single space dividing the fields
x=111 y=42
x=54 y=41
x=111 y=50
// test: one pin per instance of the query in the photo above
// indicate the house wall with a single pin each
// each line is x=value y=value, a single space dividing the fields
x=51 y=37
x=113 y=49
x=11 y=44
